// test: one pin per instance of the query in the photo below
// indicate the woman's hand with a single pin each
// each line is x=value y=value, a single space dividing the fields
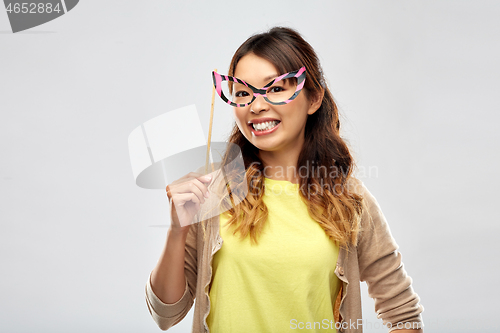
x=187 y=194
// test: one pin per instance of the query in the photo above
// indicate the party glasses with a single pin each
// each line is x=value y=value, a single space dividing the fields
x=281 y=90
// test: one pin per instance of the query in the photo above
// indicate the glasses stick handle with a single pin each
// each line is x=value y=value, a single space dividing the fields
x=210 y=128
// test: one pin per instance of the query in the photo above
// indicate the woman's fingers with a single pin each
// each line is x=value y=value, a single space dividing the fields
x=198 y=185
x=185 y=206
x=187 y=194
x=186 y=198
x=195 y=186
x=203 y=183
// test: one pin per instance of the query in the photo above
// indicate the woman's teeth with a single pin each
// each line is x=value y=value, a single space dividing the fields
x=265 y=125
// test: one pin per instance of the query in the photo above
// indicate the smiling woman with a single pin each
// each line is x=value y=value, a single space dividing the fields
x=282 y=258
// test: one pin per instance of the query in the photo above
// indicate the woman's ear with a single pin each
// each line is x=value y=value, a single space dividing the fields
x=315 y=101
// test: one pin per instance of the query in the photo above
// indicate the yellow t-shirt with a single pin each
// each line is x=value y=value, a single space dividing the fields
x=284 y=283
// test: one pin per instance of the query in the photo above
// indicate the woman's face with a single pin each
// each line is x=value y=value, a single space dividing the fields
x=288 y=135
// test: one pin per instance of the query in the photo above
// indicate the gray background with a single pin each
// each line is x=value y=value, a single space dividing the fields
x=417 y=84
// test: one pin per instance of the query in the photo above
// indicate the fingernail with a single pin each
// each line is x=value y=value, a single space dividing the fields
x=207 y=177
x=207 y=194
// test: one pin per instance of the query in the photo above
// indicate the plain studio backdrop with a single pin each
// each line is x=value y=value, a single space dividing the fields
x=417 y=85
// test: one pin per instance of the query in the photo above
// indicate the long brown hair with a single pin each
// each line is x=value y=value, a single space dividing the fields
x=334 y=207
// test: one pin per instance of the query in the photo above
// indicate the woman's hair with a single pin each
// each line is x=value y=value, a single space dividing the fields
x=331 y=204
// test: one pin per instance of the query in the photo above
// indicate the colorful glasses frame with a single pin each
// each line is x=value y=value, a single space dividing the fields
x=300 y=74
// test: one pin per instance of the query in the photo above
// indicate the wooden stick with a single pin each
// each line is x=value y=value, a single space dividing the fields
x=210 y=128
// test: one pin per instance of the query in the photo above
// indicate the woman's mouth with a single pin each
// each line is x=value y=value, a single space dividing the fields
x=265 y=127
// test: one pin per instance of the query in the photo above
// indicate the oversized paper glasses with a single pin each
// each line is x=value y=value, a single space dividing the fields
x=279 y=91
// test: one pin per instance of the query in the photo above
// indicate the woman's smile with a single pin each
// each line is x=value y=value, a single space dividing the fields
x=264 y=128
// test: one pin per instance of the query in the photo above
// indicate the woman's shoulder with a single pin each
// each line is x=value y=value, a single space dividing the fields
x=355 y=185
x=372 y=213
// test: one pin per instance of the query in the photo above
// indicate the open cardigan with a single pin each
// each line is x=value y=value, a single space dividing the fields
x=374 y=259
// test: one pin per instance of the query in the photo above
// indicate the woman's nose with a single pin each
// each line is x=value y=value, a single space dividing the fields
x=259 y=104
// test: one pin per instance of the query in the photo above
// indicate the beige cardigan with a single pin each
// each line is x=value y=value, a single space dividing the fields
x=375 y=259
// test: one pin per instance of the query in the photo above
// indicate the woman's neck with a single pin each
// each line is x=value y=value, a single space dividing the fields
x=280 y=166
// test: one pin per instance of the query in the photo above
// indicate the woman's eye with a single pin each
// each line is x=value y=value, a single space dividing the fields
x=241 y=94
x=276 y=89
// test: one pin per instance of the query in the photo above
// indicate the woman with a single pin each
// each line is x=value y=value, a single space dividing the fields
x=308 y=231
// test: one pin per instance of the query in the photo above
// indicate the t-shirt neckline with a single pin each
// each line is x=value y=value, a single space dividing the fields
x=279 y=181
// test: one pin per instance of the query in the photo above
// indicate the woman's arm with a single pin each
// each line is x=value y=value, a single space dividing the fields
x=171 y=288
x=170 y=267
x=168 y=281
x=381 y=266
